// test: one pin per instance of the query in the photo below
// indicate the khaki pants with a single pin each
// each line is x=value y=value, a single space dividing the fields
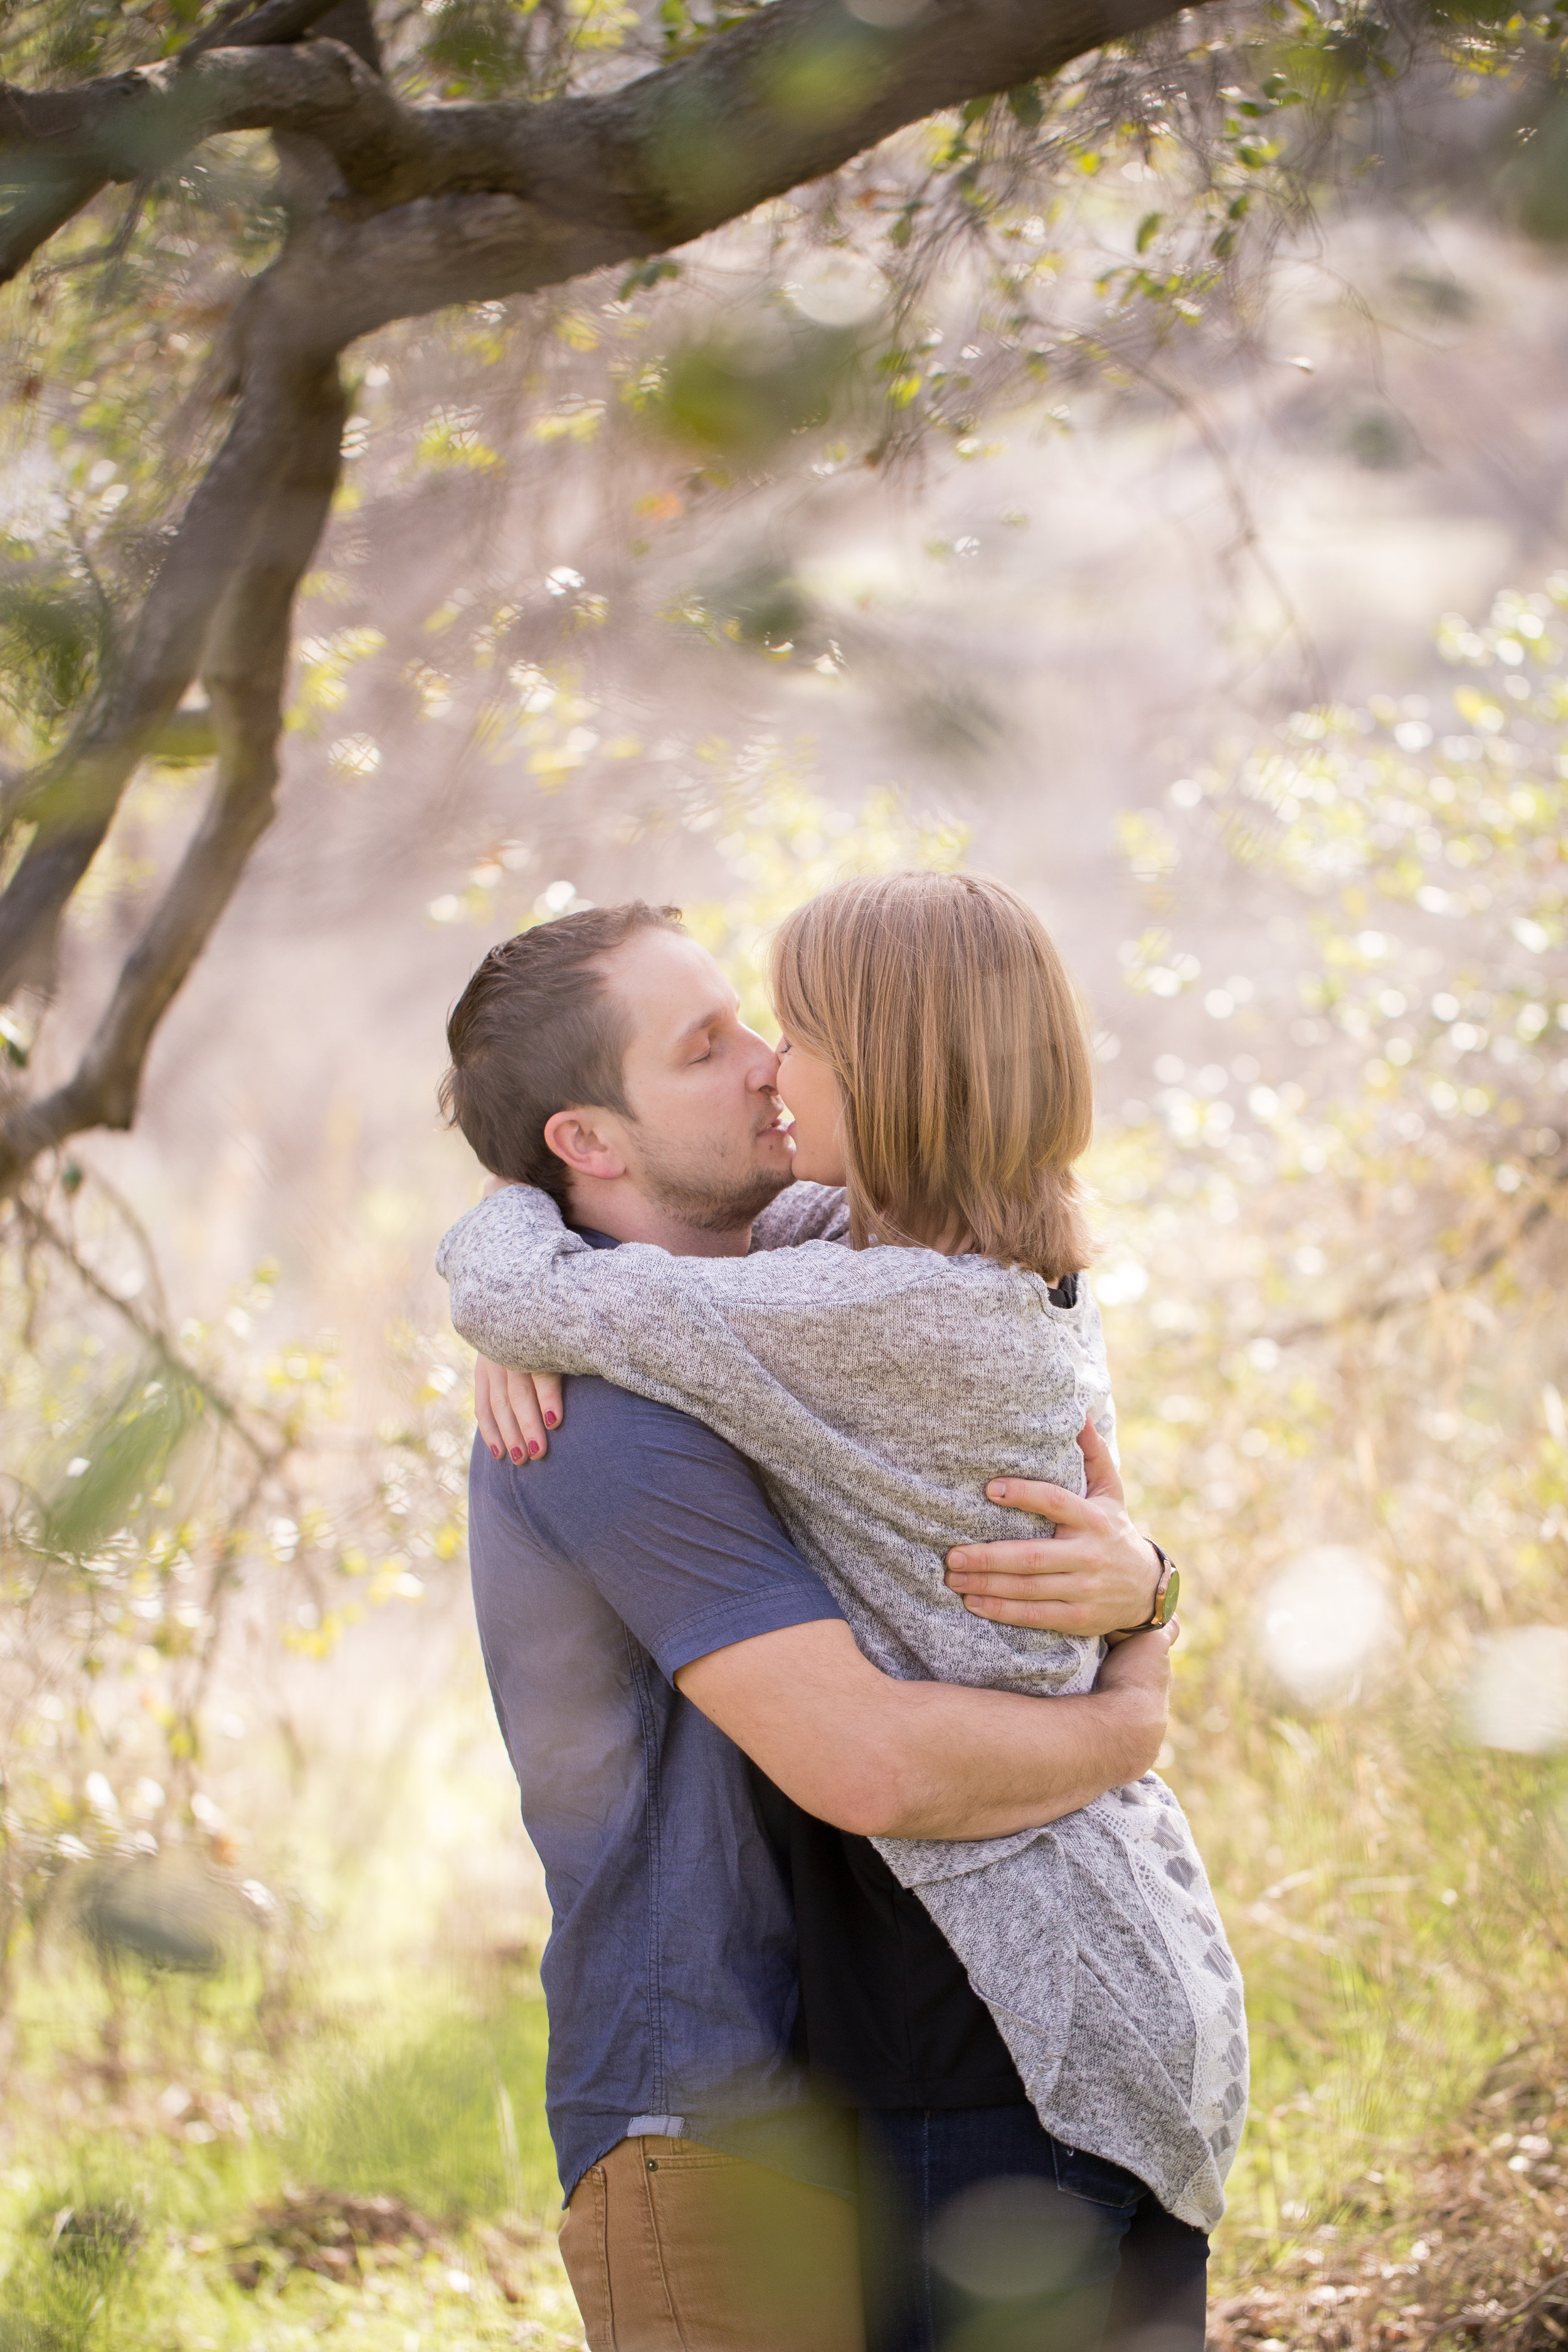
x=671 y=2247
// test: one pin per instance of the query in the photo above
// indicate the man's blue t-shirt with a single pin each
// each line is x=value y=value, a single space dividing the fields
x=641 y=1542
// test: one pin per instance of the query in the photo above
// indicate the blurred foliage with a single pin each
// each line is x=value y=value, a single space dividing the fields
x=129 y=1451
x=162 y=1486
x=739 y=391
x=185 y=2232
x=1334 y=1257
x=782 y=843
x=50 y=647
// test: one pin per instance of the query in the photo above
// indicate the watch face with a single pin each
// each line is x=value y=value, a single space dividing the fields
x=1169 y=1598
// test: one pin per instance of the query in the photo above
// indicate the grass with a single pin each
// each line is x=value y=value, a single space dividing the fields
x=400 y=2185
x=450 y=2118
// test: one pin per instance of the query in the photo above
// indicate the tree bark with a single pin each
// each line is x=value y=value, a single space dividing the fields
x=790 y=94
x=74 y=801
x=40 y=131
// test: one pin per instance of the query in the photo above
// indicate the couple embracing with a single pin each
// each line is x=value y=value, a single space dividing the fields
x=888 y=2006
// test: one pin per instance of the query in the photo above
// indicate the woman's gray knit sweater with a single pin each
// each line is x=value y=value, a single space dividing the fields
x=876 y=1391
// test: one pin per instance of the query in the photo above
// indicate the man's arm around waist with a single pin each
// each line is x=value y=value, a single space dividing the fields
x=882 y=1757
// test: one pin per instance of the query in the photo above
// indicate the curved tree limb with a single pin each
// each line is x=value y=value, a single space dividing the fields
x=777 y=101
x=72 y=804
x=278 y=21
x=244 y=673
x=58 y=148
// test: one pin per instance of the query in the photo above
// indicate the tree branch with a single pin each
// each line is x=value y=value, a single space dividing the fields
x=151 y=1330
x=275 y=22
x=244 y=674
x=37 y=214
x=72 y=803
x=777 y=101
x=58 y=148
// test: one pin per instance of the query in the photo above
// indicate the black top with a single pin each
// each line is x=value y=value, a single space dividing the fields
x=887 y=2018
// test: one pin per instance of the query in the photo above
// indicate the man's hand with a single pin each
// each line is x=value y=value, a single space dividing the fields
x=1096 y=1575
x=515 y=1409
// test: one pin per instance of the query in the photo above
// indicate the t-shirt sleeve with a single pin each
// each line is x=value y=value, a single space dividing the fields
x=672 y=1527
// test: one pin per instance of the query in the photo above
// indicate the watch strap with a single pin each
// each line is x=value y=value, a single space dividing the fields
x=1166 y=1592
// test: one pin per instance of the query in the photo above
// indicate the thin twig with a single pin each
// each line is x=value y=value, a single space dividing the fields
x=1498 y=2319
x=117 y=246
x=143 y=1240
x=1453 y=1280
x=152 y=1334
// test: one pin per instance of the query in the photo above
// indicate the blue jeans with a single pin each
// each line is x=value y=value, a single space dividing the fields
x=982 y=2233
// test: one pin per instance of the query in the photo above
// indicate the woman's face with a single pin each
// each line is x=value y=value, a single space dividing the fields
x=812 y=1096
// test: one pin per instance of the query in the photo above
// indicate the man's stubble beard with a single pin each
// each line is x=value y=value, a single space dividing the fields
x=709 y=1201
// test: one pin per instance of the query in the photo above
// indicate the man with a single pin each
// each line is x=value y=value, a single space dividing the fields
x=640 y=1611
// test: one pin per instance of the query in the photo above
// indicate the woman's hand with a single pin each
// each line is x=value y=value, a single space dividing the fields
x=1096 y=1575
x=515 y=1409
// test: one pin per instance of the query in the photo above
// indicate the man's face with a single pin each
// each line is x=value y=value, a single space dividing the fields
x=707 y=1137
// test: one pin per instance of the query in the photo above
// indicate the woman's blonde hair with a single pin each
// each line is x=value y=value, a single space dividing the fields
x=959 y=1042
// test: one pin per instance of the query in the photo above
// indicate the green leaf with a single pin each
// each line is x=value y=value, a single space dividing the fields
x=51 y=641
x=647 y=275
x=1027 y=106
x=1148 y=230
x=121 y=1457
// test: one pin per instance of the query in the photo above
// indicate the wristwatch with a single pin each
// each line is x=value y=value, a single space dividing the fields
x=1167 y=1592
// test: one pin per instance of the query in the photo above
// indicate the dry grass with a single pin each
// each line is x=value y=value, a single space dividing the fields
x=1476 y=2255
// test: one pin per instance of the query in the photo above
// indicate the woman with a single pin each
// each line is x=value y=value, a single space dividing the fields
x=936 y=1064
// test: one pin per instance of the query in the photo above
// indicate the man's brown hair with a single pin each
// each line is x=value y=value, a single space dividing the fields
x=538 y=1030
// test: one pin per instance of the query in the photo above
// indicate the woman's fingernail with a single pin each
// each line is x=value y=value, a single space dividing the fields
x=997 y=1490
x=958 y=1562
x=517 y=1453
x=551 y=1419
x=496 y=1451
x=534 y=1447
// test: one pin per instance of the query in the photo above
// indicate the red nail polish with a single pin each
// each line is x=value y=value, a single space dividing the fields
x=496 y=1451
x=533 y=1446
x=517 y=1453
x=551 y=1419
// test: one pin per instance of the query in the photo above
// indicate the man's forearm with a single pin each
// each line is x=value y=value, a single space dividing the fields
x=887 y=1758
x=981 y=1764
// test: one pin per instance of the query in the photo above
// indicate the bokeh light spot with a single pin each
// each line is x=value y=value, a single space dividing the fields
x=1325 y=1621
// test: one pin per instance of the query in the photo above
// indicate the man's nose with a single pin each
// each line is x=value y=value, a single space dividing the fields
x=764 y=1074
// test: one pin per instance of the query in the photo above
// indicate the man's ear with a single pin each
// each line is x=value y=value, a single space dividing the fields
x=585 y=1141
